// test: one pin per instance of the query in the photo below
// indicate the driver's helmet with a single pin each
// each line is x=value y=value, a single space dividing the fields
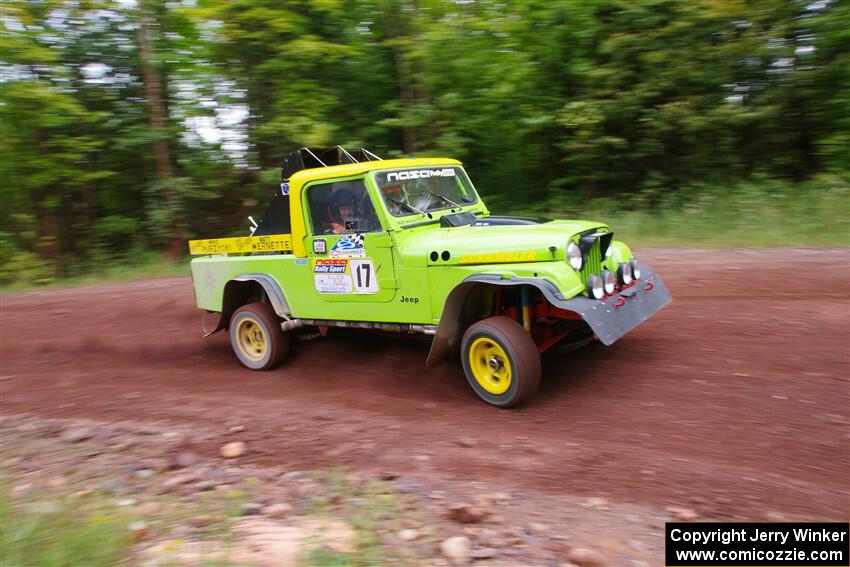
x=341 y=206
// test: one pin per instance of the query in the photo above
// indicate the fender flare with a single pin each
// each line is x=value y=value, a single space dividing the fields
x=452 y=321
x=230 y=302
x=609 y=319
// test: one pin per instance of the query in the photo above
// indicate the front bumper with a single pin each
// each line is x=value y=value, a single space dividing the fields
x=612 y=317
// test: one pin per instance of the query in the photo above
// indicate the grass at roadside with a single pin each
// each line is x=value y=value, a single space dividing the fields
x=63 y=528
x=763 y=214
x=75 y=502
x=51 y=531
x=113 y=272
x=373 y=510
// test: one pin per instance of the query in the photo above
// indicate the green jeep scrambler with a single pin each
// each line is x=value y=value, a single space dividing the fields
x=407 y=245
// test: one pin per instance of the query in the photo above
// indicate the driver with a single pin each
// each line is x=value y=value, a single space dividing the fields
x=341 y=212
x=394 y=197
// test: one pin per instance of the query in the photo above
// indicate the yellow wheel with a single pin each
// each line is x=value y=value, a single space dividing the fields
x=501 y=361
x=256 y=337
x=490 y=366
x=252 y=339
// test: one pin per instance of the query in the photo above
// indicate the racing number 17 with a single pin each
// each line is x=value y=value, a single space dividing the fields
x=364 y=276
x=364 y=271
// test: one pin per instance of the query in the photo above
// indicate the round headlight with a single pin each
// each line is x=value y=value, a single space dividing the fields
x=574 y=256
x=610 y=281
x=635 y=268
x=625 y=273
x=596 y=287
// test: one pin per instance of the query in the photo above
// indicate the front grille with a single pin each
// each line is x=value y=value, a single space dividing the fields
x=593 y=264
x=593 y=246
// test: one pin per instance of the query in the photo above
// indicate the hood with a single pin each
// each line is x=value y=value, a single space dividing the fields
x=495 y=244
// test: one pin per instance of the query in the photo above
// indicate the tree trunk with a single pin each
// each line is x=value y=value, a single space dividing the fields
x=158 y=116
x=400 y=30
x=152 y=85
x=408 y=97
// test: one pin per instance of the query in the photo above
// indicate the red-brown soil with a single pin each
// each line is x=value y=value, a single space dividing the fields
x=733 y=400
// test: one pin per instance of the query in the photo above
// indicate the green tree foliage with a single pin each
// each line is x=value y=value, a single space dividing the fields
x=110 y=148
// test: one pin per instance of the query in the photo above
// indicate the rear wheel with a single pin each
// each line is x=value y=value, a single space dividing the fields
x=256 y=337
x=501 y=361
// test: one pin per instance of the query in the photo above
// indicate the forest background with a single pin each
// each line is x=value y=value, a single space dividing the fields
x=129 y=127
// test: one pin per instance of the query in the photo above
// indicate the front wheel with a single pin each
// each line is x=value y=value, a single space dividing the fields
x=256 y=337
x=501 y=361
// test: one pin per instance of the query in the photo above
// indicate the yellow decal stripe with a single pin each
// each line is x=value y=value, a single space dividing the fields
x=242 y=244
x=499 y=257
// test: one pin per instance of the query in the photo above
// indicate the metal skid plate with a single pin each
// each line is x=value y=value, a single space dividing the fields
x=619 y=313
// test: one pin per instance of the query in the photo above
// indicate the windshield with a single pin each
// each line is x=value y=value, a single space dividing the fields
x=425 y=189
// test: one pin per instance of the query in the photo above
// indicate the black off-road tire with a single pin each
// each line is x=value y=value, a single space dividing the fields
x=521 y=353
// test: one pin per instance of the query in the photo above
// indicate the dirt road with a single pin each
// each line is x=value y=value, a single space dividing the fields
x=733 y=400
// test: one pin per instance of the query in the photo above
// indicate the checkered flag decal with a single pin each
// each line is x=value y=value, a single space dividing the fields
x=356 y=239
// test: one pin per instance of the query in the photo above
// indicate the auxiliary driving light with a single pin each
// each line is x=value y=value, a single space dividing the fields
x=610 y=281
x=635 y=268
x=574 y=256
x=625 y=273
x=596 y=287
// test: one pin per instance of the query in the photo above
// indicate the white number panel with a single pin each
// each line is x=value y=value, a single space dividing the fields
x=364 y=276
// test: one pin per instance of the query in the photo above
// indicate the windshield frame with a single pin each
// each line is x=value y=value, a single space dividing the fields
x=407 y=209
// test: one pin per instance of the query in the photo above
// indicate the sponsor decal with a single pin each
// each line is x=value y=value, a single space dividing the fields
x=420 y=174
x=209 y=279
x=330 y=266
x=499 y=257
x=331 y=275
x=350 y=245
x=345 y=275
x=242 y=244
x=320 y=246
